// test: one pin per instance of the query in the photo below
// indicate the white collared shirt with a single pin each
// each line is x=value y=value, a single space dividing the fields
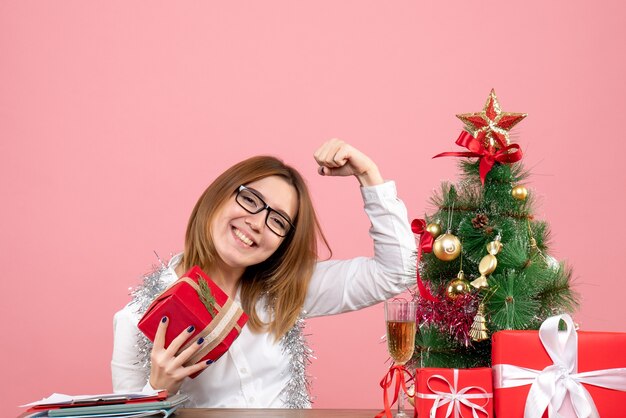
x=254 y=372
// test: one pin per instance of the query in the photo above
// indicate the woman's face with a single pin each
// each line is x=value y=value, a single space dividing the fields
x=243 y=239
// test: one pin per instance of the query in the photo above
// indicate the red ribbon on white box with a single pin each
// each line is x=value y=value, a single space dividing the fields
x=455 y=397
x=550 y=386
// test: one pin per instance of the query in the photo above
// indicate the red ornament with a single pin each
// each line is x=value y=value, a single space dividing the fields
x=426 y=246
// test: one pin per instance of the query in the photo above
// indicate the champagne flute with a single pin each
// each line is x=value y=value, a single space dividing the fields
x=400 y=317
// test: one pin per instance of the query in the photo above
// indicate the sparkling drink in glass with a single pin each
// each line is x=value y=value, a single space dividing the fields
x=400 y=319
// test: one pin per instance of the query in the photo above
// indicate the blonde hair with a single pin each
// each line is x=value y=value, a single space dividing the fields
x=284 y=277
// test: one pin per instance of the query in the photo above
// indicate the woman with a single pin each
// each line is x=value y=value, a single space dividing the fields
x=254 y=232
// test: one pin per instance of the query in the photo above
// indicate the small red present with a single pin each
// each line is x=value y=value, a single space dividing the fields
x=195 y=300
x=537 y=373
x=454 y=392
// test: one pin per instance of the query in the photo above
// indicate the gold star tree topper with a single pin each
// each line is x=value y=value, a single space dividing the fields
x=492 y=125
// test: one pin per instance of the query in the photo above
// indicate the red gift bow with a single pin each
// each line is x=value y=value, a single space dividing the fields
x=488 y=156
x=455 y=397
x=426 y=245
x=398 y=371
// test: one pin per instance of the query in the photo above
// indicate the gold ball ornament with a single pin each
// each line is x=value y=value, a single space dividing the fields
x=519 y=192
x=447 y=247
x=458 y=286
x=434 y=229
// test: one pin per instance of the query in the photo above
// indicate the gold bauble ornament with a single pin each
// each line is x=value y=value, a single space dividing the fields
x=519 y=192
x=434 y=229
x=447 y=247
x=458 y=286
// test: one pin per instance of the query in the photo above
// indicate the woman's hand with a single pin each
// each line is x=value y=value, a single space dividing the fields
x=167 y=371
x=336 y=158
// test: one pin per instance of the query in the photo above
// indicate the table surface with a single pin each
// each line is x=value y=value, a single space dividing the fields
x=275 y=413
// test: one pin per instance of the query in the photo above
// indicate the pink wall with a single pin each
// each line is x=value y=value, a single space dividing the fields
x=114 y=116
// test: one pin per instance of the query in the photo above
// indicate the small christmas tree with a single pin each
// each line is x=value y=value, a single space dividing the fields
x=483 y=257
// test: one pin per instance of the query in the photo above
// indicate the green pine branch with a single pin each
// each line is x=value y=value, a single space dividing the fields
x=557 y=295
x=512 y=304
x=436 y=349
x=206 y=296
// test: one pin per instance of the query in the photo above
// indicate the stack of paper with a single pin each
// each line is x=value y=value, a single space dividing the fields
x=115 y=405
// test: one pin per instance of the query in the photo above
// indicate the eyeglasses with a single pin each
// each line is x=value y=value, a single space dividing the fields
x=252 y=203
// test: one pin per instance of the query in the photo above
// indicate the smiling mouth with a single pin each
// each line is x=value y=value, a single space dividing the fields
x=242 y=237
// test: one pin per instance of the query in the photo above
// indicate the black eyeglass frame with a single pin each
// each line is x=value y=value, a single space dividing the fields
x=262 y=208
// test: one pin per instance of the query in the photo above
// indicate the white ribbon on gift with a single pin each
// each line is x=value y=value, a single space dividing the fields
x=550 y=386
x=454 y=398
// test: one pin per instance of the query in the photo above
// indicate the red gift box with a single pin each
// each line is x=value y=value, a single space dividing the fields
x=182 y=304
x=600 y=358
x=454 y=392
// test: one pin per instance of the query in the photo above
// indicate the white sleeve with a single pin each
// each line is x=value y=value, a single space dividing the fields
x=346 y=285
x=126 y=372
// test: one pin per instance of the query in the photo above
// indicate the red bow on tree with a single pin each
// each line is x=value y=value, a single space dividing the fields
x=488 y=155
x=426 y=245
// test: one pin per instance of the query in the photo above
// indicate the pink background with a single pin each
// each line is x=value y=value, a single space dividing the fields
x=115 y=115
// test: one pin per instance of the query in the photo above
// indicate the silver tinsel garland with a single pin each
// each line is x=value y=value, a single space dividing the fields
x=295 y=395
x=143 y=295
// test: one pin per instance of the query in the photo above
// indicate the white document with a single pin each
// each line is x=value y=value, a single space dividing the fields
x=59 y=398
